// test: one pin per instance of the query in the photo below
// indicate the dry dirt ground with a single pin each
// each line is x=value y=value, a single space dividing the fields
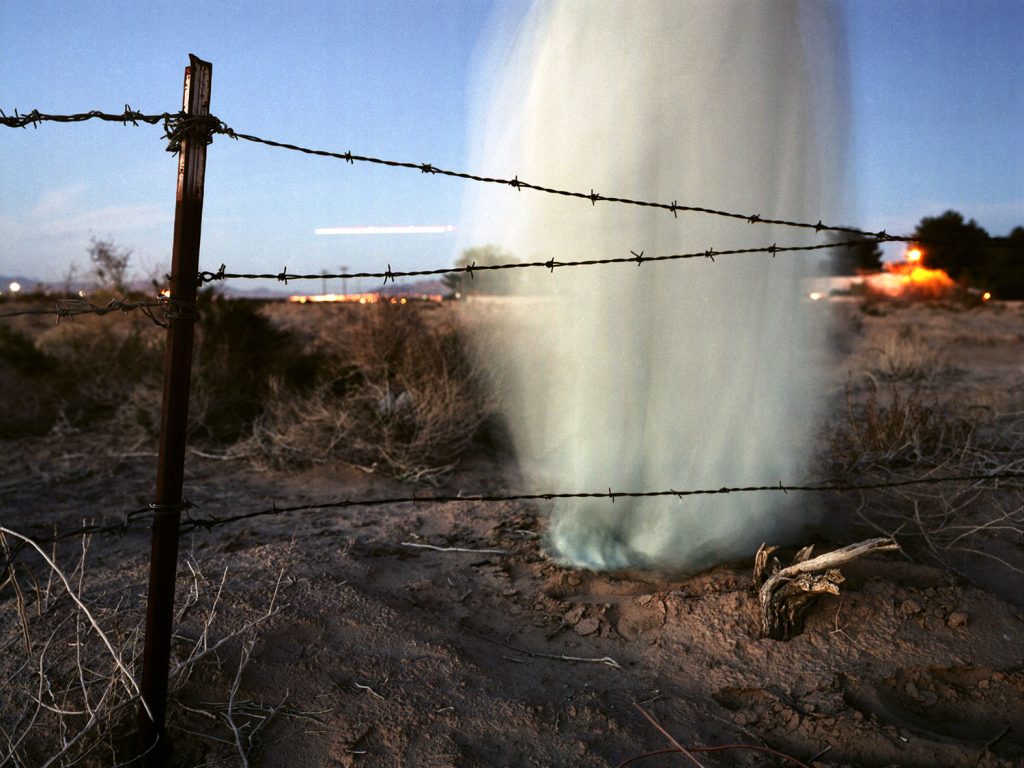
x=379 y=653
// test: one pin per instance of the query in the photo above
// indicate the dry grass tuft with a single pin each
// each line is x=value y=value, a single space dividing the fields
x=903 y=356
x=395 y=395
x=897 y=431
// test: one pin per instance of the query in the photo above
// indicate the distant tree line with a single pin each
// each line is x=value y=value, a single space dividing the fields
x=962 y=248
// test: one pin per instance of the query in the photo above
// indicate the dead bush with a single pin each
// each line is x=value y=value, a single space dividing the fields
x=239 y=355
x=70 y=651
x=904 y=356
x=897 y=431
x=76 y=374
x=966 y=527
x=394 y=394
x=385 y=387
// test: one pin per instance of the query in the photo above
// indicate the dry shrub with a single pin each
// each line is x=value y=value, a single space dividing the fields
x=70 y=653
x=239 y=356
x=899 y=431
x=973 y=527
x=394 y=393
x=385 y=386
x=79 y=373
x=904 y=357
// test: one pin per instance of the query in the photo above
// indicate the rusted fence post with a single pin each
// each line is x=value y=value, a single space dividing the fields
x=188 y=217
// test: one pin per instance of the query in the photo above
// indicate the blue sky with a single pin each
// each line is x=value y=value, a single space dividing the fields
x=937 y=113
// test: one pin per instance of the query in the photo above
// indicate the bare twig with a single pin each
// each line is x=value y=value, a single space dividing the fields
x=368 y=689
x=671 y=739
x=128 y=677
x=456 y=549
x=243 y=752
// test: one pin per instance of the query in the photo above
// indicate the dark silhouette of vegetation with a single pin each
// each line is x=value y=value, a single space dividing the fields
x=953 y=245
x=971 y=257
x=865 y=256
x=241 y=356
x=109 y=264
x=1004 y=267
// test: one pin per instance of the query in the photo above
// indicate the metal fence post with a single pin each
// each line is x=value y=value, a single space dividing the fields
x=188 y=216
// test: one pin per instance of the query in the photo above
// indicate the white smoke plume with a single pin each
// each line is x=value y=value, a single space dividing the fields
x=687 y=374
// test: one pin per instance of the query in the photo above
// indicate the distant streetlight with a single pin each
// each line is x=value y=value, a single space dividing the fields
x=15 y=287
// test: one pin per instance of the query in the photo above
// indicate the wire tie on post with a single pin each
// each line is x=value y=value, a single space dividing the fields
x=162 y=510
x=179 y=310
x=181 y=127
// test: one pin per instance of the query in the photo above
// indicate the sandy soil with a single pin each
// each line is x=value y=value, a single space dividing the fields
x=387 y=654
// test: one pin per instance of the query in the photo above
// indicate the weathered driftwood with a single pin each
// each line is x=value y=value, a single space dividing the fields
x=784 y=593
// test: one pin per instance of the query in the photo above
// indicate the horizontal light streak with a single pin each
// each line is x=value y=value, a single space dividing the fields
x=412 y=229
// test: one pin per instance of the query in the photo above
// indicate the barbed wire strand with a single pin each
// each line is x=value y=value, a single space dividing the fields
x=551 y=264
x=191 y=523
x=179 y=125
x=74 y=307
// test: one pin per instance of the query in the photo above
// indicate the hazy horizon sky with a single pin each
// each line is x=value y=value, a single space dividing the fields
x=937 y=105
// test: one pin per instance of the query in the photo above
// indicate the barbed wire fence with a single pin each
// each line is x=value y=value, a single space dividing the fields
x=181 y=129
x=208 y=522
x=178 y=126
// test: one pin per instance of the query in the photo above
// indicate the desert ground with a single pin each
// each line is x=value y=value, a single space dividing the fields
x=440 y=634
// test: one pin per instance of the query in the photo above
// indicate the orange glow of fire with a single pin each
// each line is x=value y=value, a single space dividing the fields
x=911 y=279
x=358 y=298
